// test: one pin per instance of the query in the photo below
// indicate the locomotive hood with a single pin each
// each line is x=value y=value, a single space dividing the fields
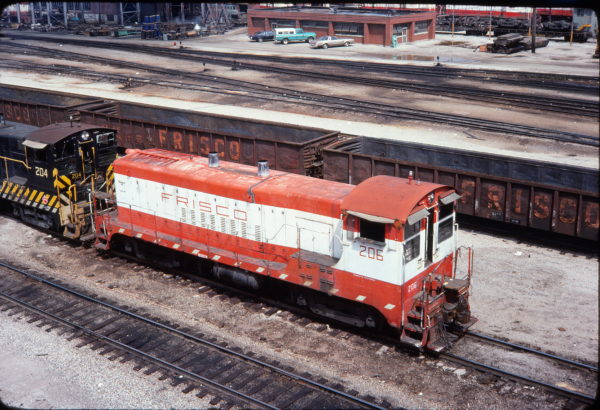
x=388 y=199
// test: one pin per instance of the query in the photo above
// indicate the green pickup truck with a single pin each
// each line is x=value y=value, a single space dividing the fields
x=286 y=35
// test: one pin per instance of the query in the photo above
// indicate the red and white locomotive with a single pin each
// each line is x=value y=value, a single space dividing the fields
x=379 y=252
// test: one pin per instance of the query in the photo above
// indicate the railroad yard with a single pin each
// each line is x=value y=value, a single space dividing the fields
x=534 y=285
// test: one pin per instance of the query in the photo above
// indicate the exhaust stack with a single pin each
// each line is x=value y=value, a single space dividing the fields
x=213 y=159
x=263 y=168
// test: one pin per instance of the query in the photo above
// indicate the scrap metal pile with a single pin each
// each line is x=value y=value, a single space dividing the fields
x=513 y=43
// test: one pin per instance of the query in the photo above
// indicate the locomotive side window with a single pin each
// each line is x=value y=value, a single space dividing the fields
x=372 y=230
x=412 y=248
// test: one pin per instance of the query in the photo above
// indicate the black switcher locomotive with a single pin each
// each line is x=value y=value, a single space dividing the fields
x=47 y=174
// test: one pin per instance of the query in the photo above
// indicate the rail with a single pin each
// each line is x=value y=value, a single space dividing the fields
x=348 y=398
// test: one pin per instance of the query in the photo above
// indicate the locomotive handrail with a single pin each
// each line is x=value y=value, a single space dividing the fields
x=24 y=163
x=469 y=261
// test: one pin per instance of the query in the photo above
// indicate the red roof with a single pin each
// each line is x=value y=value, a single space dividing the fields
x=235 y=181
x=382 y=196
x=389 y=197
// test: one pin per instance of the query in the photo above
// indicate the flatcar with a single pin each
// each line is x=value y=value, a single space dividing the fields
x=379 y=253
x=48 y=174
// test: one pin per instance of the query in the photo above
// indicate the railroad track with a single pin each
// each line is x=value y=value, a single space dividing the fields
x=387 y=339
x=547 y=81
x=589 y=372
x=257 y=91
x=196 y=362
x=545 y=103
x=305 y=316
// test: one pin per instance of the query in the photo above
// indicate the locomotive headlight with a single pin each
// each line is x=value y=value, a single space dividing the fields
x=430 y=198
x=85 y=135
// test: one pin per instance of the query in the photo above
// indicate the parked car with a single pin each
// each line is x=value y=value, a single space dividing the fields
x=261 y=36
x=287 y=35
x=331 y=41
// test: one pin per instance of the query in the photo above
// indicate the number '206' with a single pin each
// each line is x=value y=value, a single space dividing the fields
x=371 y=253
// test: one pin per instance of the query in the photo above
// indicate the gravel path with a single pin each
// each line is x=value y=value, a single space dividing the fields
x=41 y=370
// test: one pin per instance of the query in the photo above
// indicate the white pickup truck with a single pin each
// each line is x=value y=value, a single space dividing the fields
x=331 y=41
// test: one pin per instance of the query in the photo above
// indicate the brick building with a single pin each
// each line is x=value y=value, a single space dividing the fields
x=366 y=26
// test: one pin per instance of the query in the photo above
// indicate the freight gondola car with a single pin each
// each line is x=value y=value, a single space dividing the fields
x=382 y=252
x=48 y=174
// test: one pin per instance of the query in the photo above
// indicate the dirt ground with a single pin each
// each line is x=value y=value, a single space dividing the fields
x=529 y=294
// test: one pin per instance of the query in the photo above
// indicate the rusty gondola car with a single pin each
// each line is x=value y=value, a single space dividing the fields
x=548 y=197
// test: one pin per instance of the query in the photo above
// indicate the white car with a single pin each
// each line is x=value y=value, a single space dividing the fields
x=331 y=41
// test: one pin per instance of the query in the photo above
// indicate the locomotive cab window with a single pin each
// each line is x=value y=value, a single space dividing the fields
x=446 y=210
x=445 y=222
x=38 y=155
x=445 y=230
x=372 y=230
x=412 y=245
x=105 y=139
x=64 y=149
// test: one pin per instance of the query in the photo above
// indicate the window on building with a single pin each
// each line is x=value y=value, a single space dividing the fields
x=422 y=26
x=398 y=28
x=348 y=29
x=315 y=24
x=282 y=23
x=258 y=22
x=412 y=248
x=444 y=229
x=372 y=230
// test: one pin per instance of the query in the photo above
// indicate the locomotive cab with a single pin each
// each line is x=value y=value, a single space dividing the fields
x=402 y=233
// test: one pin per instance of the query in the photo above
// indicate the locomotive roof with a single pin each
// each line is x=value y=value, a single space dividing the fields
x=233 y=180
x=53 y=133
x=16 y=130
x=374 y=196
x=381 y=196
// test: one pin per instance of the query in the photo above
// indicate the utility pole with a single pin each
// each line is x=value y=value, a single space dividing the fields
x=533 y=27
x=32 y=13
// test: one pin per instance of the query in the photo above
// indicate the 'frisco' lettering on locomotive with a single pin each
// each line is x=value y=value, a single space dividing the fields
x=203 y=206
